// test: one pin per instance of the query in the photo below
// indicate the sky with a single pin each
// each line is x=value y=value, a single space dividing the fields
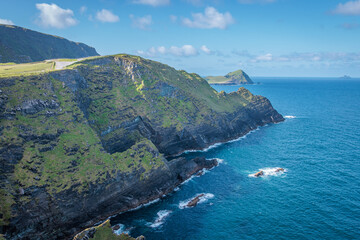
x=270 y=38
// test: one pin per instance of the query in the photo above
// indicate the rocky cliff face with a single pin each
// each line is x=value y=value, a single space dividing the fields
x=21 y=45
x=79 y=145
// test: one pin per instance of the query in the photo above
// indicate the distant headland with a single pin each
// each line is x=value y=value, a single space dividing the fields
x=233 y=78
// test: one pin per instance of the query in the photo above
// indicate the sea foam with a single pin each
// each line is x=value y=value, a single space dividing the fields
x=122 y=229
x=206 y=197
x=289 y=117
x=269 y=172
x=161 y=216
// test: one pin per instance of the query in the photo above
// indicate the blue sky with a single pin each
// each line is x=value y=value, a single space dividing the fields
x=318 y=38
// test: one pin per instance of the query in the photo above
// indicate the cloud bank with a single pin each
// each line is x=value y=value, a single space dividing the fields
x=51 y=15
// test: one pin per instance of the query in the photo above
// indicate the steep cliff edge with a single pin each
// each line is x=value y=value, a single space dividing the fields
x=81 y=144
x=21 y=45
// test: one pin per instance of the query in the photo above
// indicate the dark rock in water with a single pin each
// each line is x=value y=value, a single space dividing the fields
x=195 y=200
x=259 y=174
x=280 y=170
x=116 y=227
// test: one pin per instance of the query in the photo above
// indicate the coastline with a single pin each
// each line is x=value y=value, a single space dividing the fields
x=157 y=198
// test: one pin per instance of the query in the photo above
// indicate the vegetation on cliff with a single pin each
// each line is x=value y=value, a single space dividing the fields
x=233 y=78
x=21 y=45
x=72 y=133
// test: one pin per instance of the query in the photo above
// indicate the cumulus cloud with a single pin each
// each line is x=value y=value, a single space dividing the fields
x=6 y=22
x=183 y=51
x=106 y=16
x=153 y=3
x=51 y=15
x=255 y=1
x=211 y=18
x=348 y=8
x=141 y=22
x=205 y=49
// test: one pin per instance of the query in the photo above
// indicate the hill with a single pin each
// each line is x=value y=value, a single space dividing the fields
x=84 y=143
x=233 y=78
x=21 y=45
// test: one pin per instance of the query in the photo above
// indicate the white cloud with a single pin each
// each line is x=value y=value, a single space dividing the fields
x=6 y=22
x=210 y=19
x=83 y=9
x=153 y=3
x=141 y=22
x=106 y=16
x=348 y=8
x=183 y=51
x=263 y=58
x=205 y=49
x=51 y=15
x=255 y=1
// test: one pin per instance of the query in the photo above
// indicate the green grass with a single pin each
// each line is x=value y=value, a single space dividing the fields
x=216 y=79
x=66 y=59
x=8 y=70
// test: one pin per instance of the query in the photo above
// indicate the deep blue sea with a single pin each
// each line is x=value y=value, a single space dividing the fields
x=318 y=197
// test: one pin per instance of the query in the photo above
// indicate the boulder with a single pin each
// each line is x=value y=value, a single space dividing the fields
x=195 y=200
x=259 y=174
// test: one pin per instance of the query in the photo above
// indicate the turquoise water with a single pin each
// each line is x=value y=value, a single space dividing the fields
x=318 y=197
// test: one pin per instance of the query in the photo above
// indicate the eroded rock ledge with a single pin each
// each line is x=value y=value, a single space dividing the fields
x=81 y=144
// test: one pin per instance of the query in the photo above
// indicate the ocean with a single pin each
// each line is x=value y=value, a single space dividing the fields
x=318 y=195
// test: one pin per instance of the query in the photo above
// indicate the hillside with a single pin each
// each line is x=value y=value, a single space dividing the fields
x=233 y=78
x=87 y=142
x=21 y=45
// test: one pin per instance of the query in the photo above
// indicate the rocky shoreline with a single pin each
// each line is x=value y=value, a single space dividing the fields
x=84 y=144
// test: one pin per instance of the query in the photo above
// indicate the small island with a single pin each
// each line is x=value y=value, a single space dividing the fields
x=233 y=78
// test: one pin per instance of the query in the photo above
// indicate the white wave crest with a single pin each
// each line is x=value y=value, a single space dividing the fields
x=161 y=216
x=289 y=117
x=122 y=229
x=221 y=143
x=202 y=199
x=270 y=172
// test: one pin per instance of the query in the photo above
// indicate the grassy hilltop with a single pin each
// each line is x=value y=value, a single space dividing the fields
x=21 y=45
x=75 y=133
x=233 y=78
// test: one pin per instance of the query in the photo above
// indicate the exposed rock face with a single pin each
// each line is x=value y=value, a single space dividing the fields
x=259 y=174
x=21 y=45
x=77 y=146
x=195 y=200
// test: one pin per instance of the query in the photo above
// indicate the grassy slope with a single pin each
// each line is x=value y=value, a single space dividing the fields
x=238 y=76
x=76 y=158
x=8 y=70
x=23 y=45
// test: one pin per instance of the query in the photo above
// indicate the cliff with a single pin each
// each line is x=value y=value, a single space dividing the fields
x=233 y=78
x=90 y=141
x=21 y=45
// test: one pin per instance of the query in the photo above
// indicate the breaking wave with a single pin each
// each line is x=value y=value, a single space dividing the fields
x=204 y=198
x=161 y=216
x=269 y=172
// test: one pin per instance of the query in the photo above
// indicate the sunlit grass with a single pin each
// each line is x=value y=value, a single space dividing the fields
x=8 y=70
